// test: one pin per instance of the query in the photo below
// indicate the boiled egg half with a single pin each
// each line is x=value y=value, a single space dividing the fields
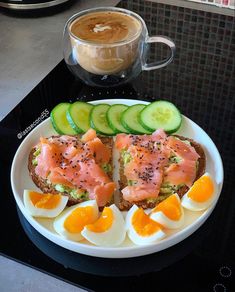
x=44 y=205
x=141 y=229
x=201 y=194
x=108 y=230
x=72 y=220
x=169 y=213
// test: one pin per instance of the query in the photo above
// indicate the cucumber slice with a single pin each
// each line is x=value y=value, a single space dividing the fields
x=161 y=114
x=130 y=120
x=59 y=120
x=78 y=116
x=114 y=118
x=98 y=119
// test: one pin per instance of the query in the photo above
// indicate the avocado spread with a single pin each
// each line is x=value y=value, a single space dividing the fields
x=106 y=167
x=131 y=182
x=126 y=156
x=174 y=159
x=73 y=192
x=35 y=154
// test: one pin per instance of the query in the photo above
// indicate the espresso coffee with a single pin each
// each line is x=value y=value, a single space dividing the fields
x=106 y=27
x=105 y=42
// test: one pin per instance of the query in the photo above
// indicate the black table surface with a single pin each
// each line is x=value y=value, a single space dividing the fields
x=201 y=82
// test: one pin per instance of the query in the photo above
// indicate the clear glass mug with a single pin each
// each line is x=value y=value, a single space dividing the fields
x=111 y=64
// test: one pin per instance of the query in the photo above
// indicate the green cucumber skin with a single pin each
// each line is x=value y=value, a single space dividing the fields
x=71 y=120
x=174 y=130
x=145 y=126
x=97 y=131
x=54 y=123
x=72 y=124
x=131 y=130
x=92 y=124
x=152 y=129
x=109 y=119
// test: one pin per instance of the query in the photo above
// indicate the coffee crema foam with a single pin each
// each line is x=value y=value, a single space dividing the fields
x=106 y=27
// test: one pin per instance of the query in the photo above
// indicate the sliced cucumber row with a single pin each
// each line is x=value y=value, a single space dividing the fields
x=114 y=115
x=161 y=114
x=78 y=115
x=130 y=120
x=77 y=118
x=98 y=119
x=59 y=119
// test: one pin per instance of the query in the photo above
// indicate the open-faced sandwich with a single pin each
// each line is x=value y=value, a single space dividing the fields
x=79 y=167
x=152 y=167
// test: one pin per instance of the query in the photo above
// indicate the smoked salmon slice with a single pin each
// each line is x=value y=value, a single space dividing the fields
x=76 y=164
x=89 y=135
x=103 y=193
x=48 y=153
x=100 y=151
x=181 y=173
x=134 y=194
x=149 y=164
x=182 y=149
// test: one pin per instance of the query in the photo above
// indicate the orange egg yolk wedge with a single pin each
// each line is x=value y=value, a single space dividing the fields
x=143 y=225
x=170 y=207
x=202 y=190
x=44 y=201
x=103 y=223
x=78 y=218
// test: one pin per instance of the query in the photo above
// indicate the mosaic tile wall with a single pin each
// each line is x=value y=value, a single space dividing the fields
x=204 y=65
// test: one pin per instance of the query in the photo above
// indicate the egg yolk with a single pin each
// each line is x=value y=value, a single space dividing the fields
x=44 y=201
x=143 y=225
x=170 y=207
x=78 y=218
x=103 y=223
x=202 y=189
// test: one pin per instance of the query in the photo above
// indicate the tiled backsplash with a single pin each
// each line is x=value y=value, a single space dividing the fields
x=205 y=46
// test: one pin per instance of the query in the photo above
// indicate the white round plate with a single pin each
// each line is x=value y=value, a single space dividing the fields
x=21 y=180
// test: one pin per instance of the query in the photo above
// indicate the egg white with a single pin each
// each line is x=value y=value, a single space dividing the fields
x=137 y=238
x=42 y=212
x=59 y=221
x=165 y=221
x=192 y=205
x=114 y=236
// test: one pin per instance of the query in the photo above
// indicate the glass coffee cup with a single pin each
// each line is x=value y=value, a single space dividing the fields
x=109 y=46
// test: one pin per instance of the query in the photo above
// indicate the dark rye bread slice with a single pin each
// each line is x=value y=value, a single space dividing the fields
x=45 y=187
x=125 y=205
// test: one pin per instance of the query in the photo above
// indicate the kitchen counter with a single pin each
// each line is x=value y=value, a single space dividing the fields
x=15 y=277
x=200 y=81
x=29 y=49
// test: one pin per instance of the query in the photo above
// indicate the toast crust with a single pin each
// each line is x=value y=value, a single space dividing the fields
x=45 y=187
x=125 y=205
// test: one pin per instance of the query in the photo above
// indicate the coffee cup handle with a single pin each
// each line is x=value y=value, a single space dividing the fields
x=162 y=63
